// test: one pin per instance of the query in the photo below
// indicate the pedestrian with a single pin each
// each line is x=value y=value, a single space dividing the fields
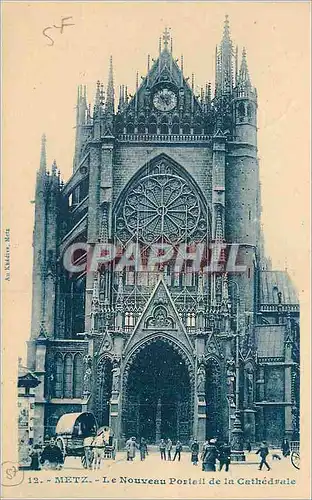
x=35 y=456
x=263 y=452
x=131 y=447
x=285 y=448
x=178 y=449
x=209 y=455
x=143 y=449
x=162 y=449
x=224 y=456
x=169 y=448
x=195 y=452
x=52 y=457
x=248 y=446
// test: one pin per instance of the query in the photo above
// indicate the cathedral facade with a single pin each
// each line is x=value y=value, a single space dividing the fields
x=154 y=306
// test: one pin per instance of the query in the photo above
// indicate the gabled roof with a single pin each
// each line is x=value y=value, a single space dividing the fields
x=166 y=71
x=144 y=327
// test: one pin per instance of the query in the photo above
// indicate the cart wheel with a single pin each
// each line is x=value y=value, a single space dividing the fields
x=61 y=444
x=295 y=459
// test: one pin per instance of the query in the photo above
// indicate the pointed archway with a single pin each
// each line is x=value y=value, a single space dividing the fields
x=158 y=393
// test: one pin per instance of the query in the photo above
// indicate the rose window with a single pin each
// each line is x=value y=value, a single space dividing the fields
x=161 y=207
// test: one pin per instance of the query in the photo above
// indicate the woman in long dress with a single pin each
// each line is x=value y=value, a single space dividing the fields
x=131 y=448
x=195 y=451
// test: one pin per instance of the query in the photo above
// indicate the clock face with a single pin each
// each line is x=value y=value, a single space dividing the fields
x=165 y=100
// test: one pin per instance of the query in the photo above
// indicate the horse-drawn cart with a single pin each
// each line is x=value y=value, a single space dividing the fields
x=71 y=431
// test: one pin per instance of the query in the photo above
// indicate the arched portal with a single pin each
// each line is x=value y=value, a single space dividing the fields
x=157 y=394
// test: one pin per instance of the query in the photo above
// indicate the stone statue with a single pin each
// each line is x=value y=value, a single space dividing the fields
x=231 y=374
x=201 y=378
x=116 y=376
x=87 y=379
x=249 y=383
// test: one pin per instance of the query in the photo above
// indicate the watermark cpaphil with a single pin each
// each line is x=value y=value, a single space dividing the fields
x=183 y=258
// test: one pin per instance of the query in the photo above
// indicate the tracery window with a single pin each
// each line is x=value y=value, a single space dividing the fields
x=161 y=206
x=68 y=376
x=78 y=376
x=190 y=320
x=58 y=387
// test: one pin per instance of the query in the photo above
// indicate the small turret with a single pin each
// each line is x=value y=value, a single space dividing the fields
x=245 y=106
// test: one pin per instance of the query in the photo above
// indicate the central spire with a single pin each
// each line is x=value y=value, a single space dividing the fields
x=224 y=62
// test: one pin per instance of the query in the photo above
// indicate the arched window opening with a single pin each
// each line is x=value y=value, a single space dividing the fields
x=197 y=128
x=175 y=125
x=141 y=128
x=129 y=319
x=68 y=376
x=119 y=125
x=186 y=128
x=78 y=376
x=130 y=128
x=250 y=111
x=152 y=125
x=241 y=110
x=78 y=305
x=164 y=129
x=58 y=385
x=190 y=319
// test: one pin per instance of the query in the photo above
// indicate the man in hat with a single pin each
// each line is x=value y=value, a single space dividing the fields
x=263 y=452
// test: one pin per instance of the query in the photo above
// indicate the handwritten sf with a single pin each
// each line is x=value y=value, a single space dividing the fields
x=61 y=28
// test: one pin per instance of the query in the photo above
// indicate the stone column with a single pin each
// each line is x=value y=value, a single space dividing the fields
x=114 y=419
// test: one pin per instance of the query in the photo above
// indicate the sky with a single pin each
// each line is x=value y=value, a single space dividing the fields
x=39 y=95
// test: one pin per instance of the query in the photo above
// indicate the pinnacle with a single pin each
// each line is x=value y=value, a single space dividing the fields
x=43 y=155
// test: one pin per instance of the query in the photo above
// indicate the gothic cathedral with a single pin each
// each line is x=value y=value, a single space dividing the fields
x=154 y=306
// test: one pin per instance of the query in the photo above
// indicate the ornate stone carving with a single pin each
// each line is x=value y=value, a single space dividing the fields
x=201 y=378
x=160 y=319
x=231 y=375
x=87 y=379
x=116 y=375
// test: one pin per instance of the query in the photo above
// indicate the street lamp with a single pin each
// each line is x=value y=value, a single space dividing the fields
x=237 y=444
